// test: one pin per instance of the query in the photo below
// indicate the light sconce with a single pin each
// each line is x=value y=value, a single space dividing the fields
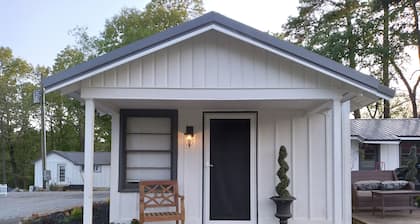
x=189 y=135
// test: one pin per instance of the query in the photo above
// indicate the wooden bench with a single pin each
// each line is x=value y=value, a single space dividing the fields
x=156 y=195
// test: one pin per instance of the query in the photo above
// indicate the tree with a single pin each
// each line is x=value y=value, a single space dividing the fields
x=331 y=28
x=16 y=110
x=366 y=35
x=133 y=24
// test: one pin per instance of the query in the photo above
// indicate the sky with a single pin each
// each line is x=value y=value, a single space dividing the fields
x=37 y=30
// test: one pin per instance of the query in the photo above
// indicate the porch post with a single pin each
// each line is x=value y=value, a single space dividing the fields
x=346 y=164
x=88 y=170
x=337 y=162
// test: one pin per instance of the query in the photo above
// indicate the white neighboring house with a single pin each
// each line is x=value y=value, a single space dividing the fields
x=383 y=143
x=67 y=169
x=243 y=93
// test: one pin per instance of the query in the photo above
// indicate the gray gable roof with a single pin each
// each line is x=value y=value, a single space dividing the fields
x=385 y=129
x=77 y=158
x=233 y=26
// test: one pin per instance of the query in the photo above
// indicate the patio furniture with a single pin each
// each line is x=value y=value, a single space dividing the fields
x=387 y=200
x=156 y=195
x=362 y=199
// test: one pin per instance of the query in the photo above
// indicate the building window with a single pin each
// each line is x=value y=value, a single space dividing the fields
x=148 y=147
x=97 y=168
x=61 y=173
x=369 y=157
x=405 y=147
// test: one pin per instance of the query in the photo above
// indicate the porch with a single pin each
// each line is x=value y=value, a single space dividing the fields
x=394 y=217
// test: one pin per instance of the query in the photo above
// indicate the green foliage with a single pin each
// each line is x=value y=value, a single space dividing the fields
x=132 y=24
x=135 y=221
x=18 y=138
x=368 y=35
x=281 y=187
x=411 y=165
x=76 y=214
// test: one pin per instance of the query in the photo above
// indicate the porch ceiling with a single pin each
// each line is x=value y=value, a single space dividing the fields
x=213 y=104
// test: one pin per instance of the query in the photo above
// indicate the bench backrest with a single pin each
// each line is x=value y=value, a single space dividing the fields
x=380 y=175
x=154 y=194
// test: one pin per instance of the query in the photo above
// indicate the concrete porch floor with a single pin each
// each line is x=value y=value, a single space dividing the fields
x=390 y=217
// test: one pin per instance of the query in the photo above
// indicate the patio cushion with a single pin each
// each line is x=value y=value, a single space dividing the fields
x=366 y=185
x=364 y=194
x=393 y=185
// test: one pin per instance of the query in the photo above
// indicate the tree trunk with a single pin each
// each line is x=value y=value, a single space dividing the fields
x=351 y=45
x=385 y=56
x=416 y=26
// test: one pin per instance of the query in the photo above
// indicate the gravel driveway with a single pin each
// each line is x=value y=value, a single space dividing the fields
x=18 y=205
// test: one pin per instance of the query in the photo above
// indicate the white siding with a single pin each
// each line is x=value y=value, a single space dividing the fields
x=211 y=60
x=309 y=160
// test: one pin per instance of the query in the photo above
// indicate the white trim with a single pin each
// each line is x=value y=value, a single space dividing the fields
x=59 y=172
x=227 y=32
x=382 y=142
x=346 y=162
x=361 y=140
x=253 y=174
x=337 y=163
x=409 y=138
x=209 y=94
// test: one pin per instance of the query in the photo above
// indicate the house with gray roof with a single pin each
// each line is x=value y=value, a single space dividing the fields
x=383 y=143
x=209 y=103
x=67 y=169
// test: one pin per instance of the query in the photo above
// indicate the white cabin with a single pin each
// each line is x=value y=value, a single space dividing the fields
x=67 y=169
x=244 y=93
x=383 y=144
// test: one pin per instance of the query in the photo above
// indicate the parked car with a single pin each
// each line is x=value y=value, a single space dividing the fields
x=402 y=172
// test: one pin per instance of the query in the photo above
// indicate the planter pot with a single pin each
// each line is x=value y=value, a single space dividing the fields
x=283 y=208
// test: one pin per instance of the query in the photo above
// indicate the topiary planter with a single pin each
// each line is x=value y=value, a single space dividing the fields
x=283 y=199
x=283 y=208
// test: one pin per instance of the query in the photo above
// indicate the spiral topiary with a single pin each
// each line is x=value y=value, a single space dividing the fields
x=281 y=187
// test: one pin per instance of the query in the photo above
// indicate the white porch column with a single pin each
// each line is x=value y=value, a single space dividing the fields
x=88 y=170
x=346 y=163
x=337 y=162
x=114 y=207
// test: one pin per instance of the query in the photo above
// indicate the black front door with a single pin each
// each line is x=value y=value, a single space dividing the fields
x=230 y=169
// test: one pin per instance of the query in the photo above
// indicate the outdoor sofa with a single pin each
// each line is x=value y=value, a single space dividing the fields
x=363 y=182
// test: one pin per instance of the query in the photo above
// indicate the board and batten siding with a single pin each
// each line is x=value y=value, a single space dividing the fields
x=211 y=60
x=310 y=160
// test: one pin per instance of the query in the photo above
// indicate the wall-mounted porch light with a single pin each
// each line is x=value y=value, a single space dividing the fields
x=189 y=135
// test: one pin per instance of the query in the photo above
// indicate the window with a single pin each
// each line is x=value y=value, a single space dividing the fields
x=61 y=173
x=97 y=168
x=405 y=147
x=369 y=156
x=148 y=147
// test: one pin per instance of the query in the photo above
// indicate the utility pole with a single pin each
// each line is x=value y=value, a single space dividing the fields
x=43 y=136
x=3 y=153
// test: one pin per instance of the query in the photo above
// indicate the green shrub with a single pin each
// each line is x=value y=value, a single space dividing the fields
x=411 y=165
x=135 y=221
x=418 y=201
x=76 y=214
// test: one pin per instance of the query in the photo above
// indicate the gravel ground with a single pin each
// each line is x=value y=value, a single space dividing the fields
x=18 y=205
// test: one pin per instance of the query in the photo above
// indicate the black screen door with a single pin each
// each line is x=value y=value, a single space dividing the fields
x=230 y=171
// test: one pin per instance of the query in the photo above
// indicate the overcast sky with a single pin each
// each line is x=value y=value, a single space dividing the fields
x=37 y=30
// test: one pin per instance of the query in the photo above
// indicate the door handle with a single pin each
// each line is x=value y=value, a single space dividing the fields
x=209 y=165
